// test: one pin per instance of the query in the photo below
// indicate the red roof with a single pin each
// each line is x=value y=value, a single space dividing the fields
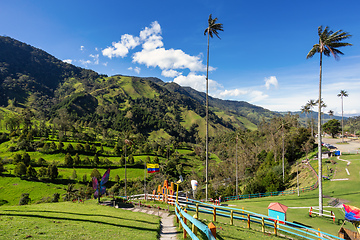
x=278 y=207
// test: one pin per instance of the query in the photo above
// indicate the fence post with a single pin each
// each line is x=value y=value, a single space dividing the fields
x=319 y=234
x=232 y=217
x=243 y=212
x=248 y=221
x=275 y=227
x=197 y=211
x=310 y=211
x=262 y=224
x=194 y=228
x=214 y=214
x=185 y=221
x=177 y=219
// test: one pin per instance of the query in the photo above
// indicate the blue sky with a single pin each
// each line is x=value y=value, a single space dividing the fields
x=261 y=57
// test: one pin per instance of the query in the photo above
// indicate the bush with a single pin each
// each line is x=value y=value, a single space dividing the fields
x=20 y=169
x=55 y=197
x=24 y=199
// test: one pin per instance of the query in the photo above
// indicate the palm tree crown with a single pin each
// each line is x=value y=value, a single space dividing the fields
x=329 y=41
x=213 y=27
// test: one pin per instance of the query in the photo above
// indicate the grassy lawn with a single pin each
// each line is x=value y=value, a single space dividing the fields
x=69 y=220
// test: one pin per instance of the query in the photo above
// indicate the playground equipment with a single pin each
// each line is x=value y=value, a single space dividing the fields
x=352 y=214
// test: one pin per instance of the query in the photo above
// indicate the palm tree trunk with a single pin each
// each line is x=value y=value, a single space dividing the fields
x=342 y=119
x=319 y=144
x=207 y=121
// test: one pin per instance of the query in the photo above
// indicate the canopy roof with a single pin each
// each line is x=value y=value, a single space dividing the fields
x=278 y=207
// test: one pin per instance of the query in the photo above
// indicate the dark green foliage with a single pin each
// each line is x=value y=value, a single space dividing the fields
x=95 y=173
x=26 y=159
x=74 y=175
x=69 y=160
x=332 y=127
x=84 y=179
x=42 y=173
x=130 y=159
x=20 y=169
x=31 y=172
x=2 y=169
x=52 y=171
x=55 y=197
x=71 y=192
x=96 y=160
x=41 y=162
x=24 y=199
x=77 y=160
x=117 y=178
x=17 y=158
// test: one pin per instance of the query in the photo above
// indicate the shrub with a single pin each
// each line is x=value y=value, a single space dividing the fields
x=20 y=169
x=55 y=197
x=24 y=199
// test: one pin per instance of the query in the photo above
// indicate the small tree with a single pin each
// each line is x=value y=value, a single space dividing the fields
x=31 y=172
x=131 y=159
x=95 y=173
x=69 y=160
x=42 y=172
x=24 y=199
x=117 y=179
x=96 y=160
x=77 y=160
x=84 y=179
x=26 y=159
x=17 y=158
x=122 y=160
x=333 y=127
x=20 y=169
x=56 y=197
x=52 y=171
x=74 y=175
x=60 y=146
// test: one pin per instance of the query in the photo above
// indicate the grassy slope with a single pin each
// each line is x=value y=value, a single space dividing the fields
x=344 y=190
x=75 y=221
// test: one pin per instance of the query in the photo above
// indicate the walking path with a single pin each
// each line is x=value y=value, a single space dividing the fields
x=168 y=230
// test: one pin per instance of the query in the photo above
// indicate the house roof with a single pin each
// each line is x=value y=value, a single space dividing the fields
x=278 y=207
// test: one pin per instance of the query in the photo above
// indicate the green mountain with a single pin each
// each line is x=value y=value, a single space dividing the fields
x=30 y=77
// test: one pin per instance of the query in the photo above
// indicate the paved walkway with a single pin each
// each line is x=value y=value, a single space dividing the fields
x=168 y=230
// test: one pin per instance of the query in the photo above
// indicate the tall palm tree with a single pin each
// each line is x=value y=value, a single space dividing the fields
x=342 y=94
x=213 y=28
x=305 y=109
x=331 y=113
x=329 y=42
x=311 y=103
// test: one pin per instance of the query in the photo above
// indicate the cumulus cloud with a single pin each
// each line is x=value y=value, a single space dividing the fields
x=168 y=59
x=82 y=48
x=155 y=29
x=85 y=62
x=121 y=48
x=232 y=93
x=271 y=81
x=197 y=82
x=256 y=96
x=170 y=73
x=136 y=69
x=96 y=58
x=68 y=61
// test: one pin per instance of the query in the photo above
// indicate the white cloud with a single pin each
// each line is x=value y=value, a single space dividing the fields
x=121 y=48
x=136 y=69
x=105 y=64
x=271 y=81
x=170 y=73
x=96 y=58
x=82 y=48
x=168 y=59
x=197 y=82
x=85 y=62
x=68 y=61
x=232 y=93
x=256 y=96
x=153 y=30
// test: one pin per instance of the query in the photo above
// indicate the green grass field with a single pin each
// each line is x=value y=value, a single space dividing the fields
x=69 y=220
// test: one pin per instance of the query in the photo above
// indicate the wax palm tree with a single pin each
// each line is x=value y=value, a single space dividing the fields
x=213 y=28
x=311 y=103
x=305 y=109
x=342 y=94
x=329 y=42
x=331 y=113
